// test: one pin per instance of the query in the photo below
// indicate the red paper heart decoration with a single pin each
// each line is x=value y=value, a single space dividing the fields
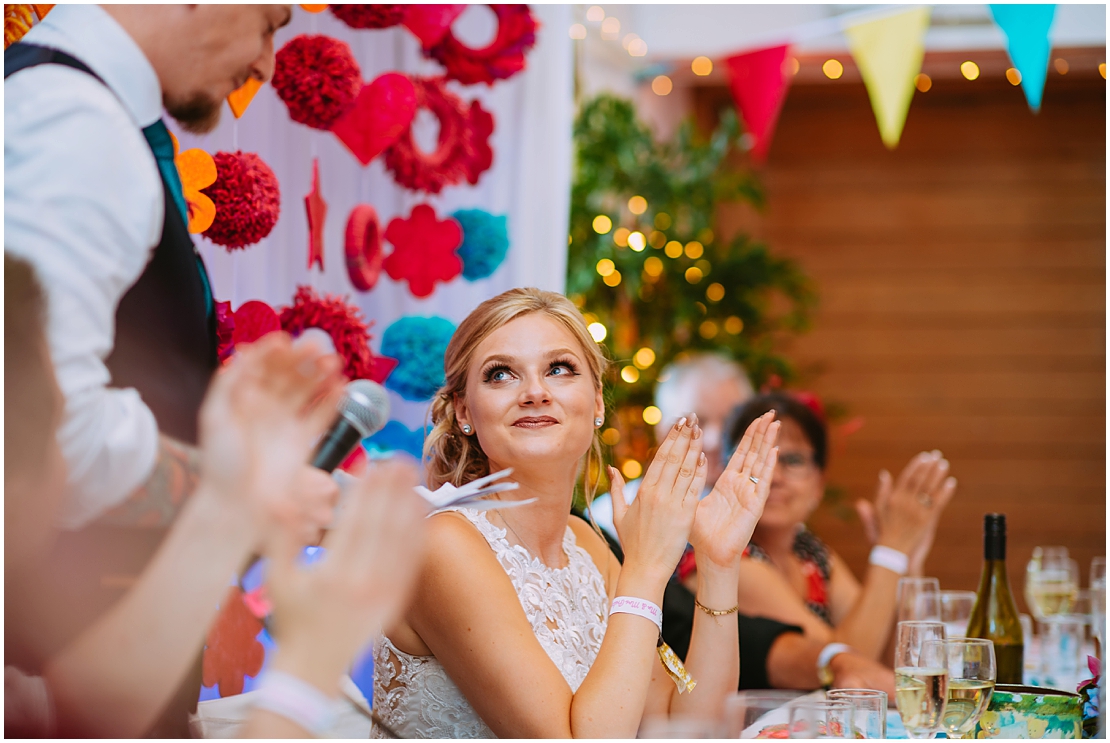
x=363 y=246
x=381 y=113
x=430 y=23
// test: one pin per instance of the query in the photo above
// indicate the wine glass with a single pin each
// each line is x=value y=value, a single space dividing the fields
x=1098 y=571
x=745 y=710
x=1051 y=582
x=920 y=677
x=972 y=672
x=820 y=719
x=955 y=611
x=868 y=710
x=918 y=599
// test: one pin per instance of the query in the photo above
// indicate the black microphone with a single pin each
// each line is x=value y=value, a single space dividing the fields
x=363 y=411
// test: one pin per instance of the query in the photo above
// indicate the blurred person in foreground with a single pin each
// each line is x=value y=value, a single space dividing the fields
x=258 y=421
x=789 y=574
x=524 y=623
x=93 y=200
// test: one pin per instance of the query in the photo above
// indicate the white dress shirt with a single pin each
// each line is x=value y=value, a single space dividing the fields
x=83 y=203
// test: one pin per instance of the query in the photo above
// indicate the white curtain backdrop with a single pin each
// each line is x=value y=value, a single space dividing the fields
x=529 y=181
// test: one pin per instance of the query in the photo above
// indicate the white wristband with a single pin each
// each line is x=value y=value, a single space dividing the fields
x=639 y=607
x=296 y=700
x=889 y=558
x=829 y=652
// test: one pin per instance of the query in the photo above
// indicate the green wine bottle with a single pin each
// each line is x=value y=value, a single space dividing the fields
x=995 y=617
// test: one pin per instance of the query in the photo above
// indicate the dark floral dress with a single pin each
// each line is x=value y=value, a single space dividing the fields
x=816 y=566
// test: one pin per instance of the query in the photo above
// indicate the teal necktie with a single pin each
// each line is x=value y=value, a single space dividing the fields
x=161 y=144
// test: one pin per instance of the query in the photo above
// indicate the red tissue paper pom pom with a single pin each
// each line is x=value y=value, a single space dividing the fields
x=344 y=323
x=369 y=16
x=247 y=200
x=504 y=57
x=318 y=79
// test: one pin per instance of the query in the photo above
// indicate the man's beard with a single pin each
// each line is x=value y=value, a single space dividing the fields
x=198 y=114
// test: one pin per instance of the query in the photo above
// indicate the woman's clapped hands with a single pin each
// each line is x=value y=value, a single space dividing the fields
x=727 y=516
x=654 y=529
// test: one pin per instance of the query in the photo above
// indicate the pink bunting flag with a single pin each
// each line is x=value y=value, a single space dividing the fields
x=759 y=82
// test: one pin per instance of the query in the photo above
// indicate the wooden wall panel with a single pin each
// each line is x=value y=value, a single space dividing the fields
x=962 y=299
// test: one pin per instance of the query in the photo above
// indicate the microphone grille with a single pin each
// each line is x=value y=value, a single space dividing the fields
x=366 y=405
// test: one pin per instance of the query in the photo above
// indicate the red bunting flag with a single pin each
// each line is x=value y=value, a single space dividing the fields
x=759 y=82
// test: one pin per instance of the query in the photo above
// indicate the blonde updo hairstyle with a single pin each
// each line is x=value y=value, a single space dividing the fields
x=450 y=455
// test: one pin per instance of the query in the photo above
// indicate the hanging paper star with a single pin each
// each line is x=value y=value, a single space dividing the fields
x=317 y=210
x=424 y=250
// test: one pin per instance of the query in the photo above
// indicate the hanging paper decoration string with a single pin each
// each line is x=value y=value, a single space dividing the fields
x=247 y=324
x=197 y=170
x=314 y=8
x=424 y=250
x=241 y=98
x=318 y=79
x=369 y=16
x=247 y=200
x=348 y=331
x=463 y=151
x=316 y=210
x=502 y=58
x=485 y=242
x=418 y=344
x=363 y=247
x=18 y=20
x=381 y=113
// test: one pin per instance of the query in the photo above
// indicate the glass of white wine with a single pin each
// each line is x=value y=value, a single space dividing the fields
x=920 y=677
x=955 y=611
x=918 y=599
x=972 y=672
x=1051 y=582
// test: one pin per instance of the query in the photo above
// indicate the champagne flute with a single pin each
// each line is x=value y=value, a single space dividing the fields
x=955 y=611
x=972 y=671
x=920 y=677
x=918 y=599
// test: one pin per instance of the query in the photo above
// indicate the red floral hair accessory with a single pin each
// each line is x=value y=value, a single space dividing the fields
x=502 y=58
x=247 y=200
x=348 y=331
x=318 y=79
x=463 y=151
x=369 y=16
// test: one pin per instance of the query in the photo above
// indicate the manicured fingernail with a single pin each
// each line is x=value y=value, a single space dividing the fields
x=702 y=460
x=697 y=432
x=681 y=423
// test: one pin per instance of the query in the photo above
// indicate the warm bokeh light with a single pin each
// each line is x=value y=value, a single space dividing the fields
x=702 y=66
x=578 y=31
x=652 y=415
x=597 y=331
x=657 y=239
x=1102 y=70
x=610 y=437
x=596 y=14
x=1061 y=65
x=708 y=329
x=714 y=293
x=922 y=82
x=832 y=69
x=631 y=469
x=693 y=274
x=662 y=85
x=637 y=241
x=628 y=39
x=663 y=221
x=703 y=266
x=694 y=249
x=606 y=267
x=673 y=249
x=602 y=224
x=1013 y=76
x=793 y=65
x=638 y=48
x=620 y=237
x=613 y=279
x=630 y=374
x=644 y=358
x=653 y=266
x=733 y=325
x=637 y=205
x=970 y=70
x=610 y=28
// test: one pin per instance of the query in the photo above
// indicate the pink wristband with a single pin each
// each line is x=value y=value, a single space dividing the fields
x=639 y=607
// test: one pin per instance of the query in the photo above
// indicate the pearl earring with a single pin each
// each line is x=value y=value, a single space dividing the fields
x=598 y=422
x=467 y=429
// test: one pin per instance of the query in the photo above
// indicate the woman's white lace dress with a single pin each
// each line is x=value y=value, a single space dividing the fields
x=567 y=608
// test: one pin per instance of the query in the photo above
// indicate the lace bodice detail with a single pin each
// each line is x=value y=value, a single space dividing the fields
x=567 y=608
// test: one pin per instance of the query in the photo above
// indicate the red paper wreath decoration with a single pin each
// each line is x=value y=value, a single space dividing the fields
x=318 y=79
x=369 y=16
x=363 y=247
x=348 y=331
x=247 y=200
x=503 y=58
x=463 y=151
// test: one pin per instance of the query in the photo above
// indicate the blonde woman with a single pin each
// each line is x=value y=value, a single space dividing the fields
x=524 y=625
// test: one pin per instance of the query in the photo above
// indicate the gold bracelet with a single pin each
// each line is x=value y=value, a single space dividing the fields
x=716 y=612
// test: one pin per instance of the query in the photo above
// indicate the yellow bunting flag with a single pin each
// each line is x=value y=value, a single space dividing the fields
x=888 y=52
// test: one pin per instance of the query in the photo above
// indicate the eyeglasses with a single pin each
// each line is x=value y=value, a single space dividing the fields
x=796 y=464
